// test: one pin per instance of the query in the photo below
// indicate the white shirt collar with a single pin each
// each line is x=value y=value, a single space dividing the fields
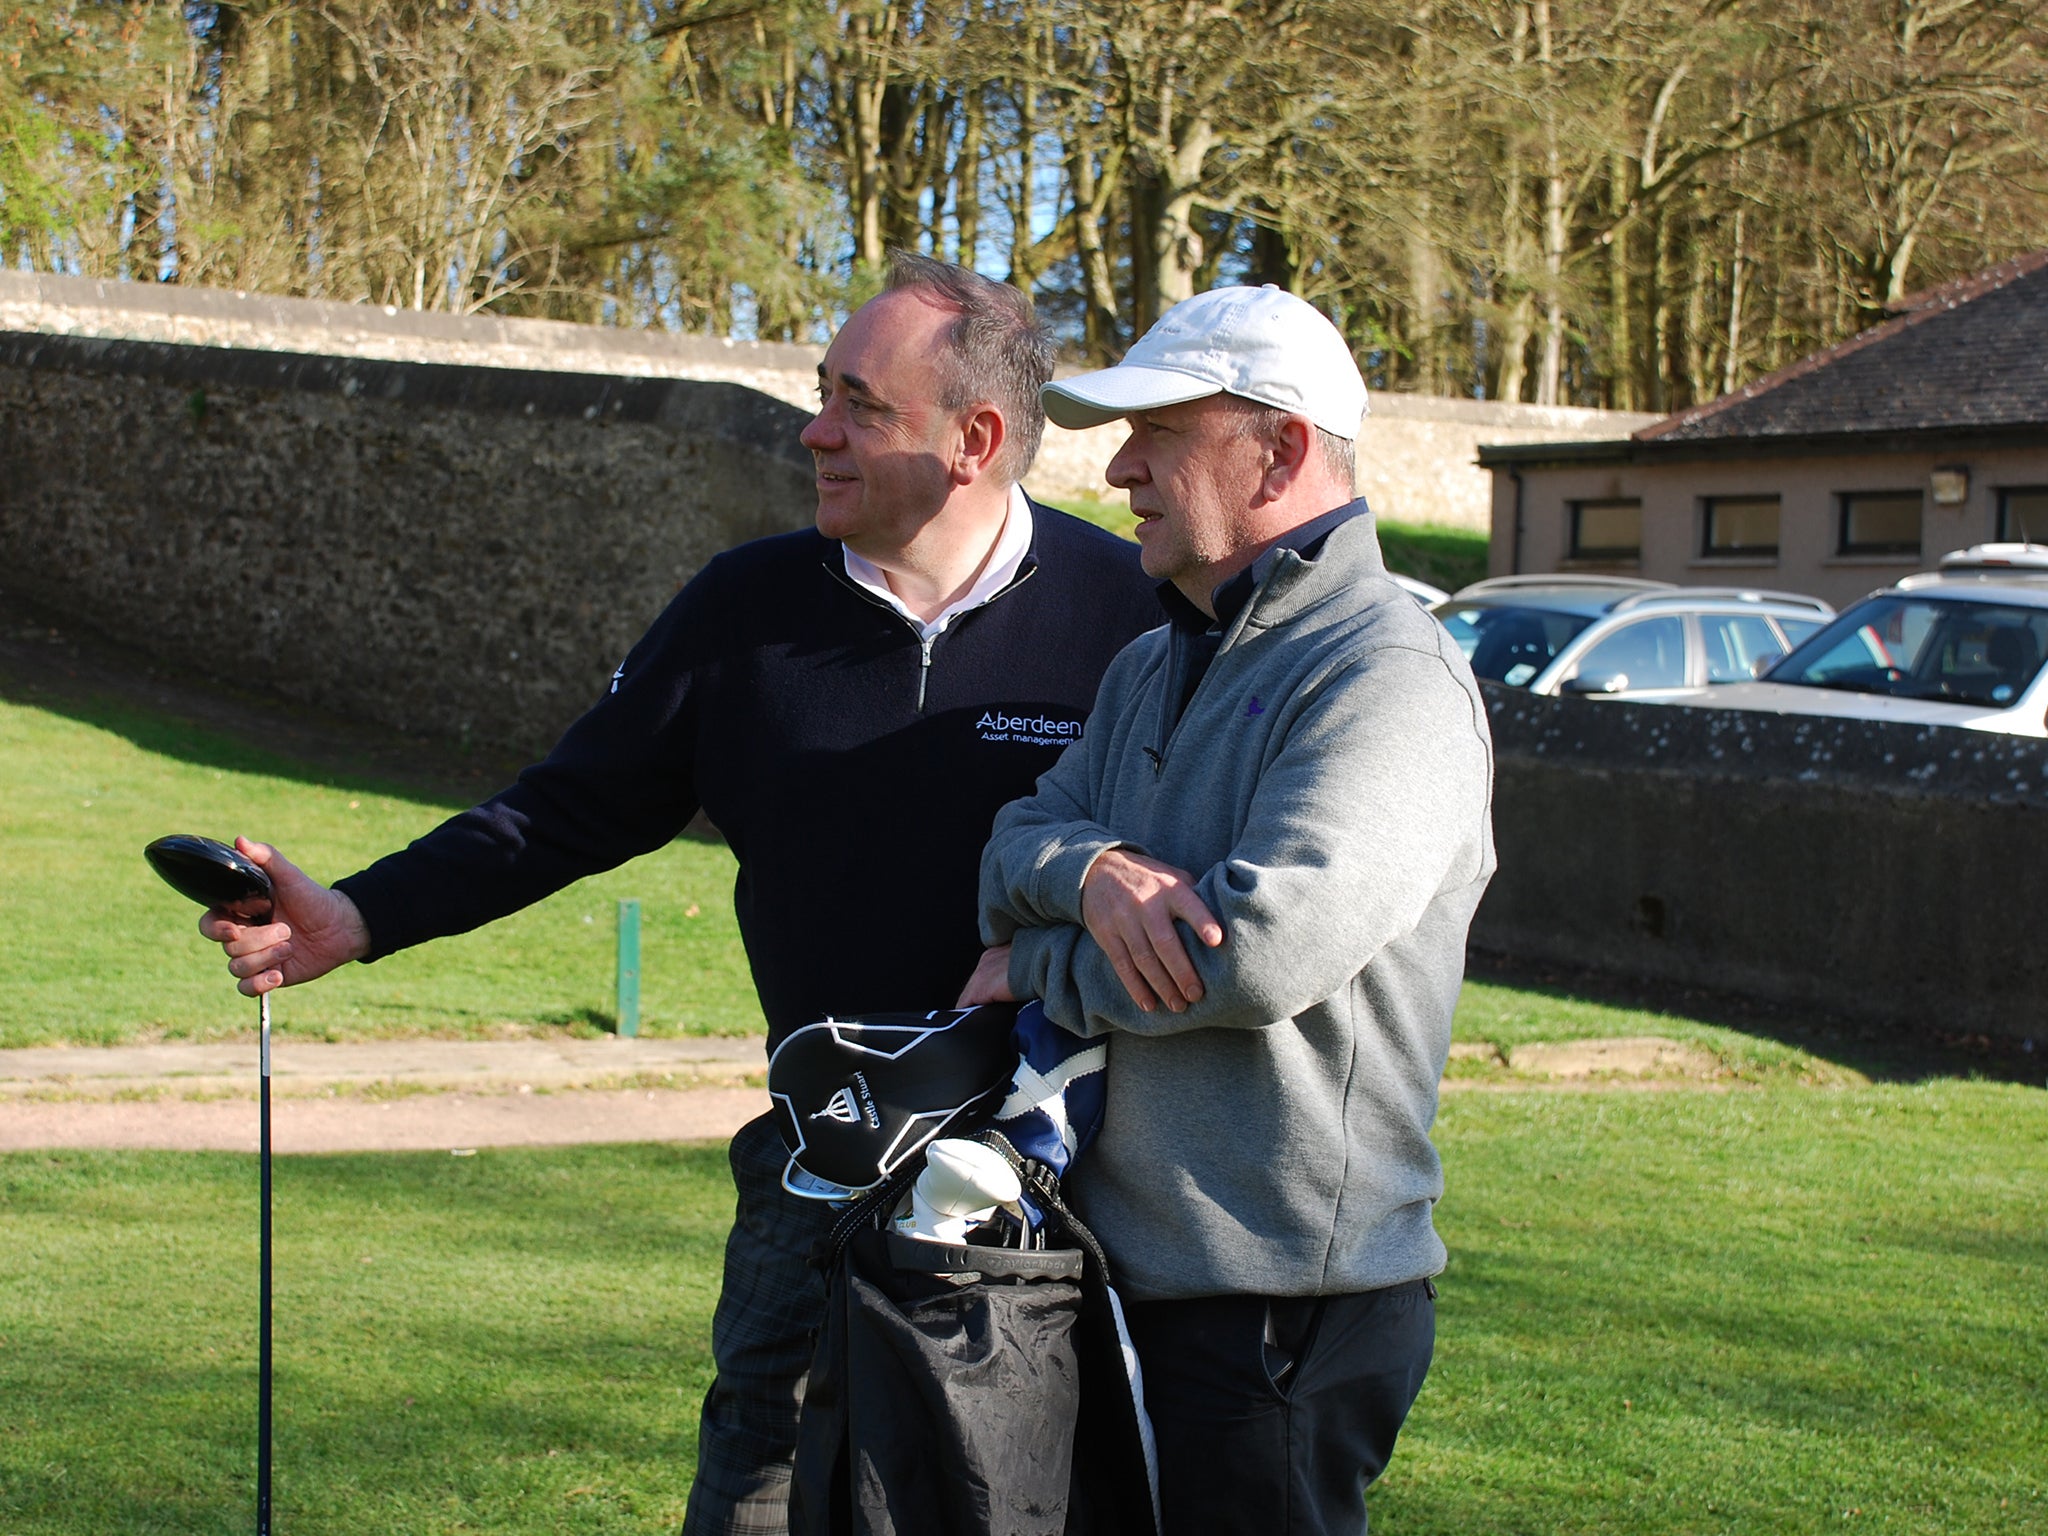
x=1012 y=545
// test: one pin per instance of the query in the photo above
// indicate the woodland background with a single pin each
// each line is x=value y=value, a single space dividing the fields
x=1625 y=203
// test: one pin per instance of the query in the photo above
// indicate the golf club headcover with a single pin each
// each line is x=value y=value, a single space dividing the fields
x=1056 y=1093
x=857 y=1098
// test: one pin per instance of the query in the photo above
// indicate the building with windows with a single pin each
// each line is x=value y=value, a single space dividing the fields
x=1837 y=475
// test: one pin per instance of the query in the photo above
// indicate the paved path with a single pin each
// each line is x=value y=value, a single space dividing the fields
x=396 y=1095
x=381 y=1095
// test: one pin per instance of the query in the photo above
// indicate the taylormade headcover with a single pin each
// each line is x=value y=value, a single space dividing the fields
x=857 y=1098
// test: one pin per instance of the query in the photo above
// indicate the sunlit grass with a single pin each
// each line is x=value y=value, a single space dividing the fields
x=1763 y=1310
x=99 y=950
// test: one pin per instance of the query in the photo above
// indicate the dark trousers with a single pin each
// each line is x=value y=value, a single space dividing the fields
x=762 y=1337
x=1274 y=1415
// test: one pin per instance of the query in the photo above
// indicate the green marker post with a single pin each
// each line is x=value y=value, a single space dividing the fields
x=629 y=969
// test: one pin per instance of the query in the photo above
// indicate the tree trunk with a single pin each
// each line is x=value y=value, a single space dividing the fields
x=1547 y=382
x=1621 y=365
x=1425 y=300
x=868 y=80
x=1144 y=204
x=1100 y=333
x=1514 y=350
x=1660 y=312
x=967 y=178
x=1176 y=246
x=1738 y=271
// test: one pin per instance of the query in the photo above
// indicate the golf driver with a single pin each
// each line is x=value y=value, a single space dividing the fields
x=219 y=878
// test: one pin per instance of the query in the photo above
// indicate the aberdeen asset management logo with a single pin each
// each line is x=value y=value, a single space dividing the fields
x=1031 y=726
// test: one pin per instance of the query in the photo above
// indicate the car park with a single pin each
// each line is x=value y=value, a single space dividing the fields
x=1963 y=646
x=1419 y=589
x=1616 y=635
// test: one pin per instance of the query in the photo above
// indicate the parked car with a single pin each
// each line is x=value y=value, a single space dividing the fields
x=1609 y=635
x=1963 y=646
x=1418 y=589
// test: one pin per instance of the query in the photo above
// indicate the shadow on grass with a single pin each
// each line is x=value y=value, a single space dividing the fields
x=1881 y=1052
x=52 y=662
x=583 y=1022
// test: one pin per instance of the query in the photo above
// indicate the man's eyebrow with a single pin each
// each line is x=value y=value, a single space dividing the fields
x=854 y=383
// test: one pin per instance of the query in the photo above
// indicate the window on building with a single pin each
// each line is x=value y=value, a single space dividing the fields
x=1607 y=530
x=1880 y=523
x=1739 y=526
x=2023 y=514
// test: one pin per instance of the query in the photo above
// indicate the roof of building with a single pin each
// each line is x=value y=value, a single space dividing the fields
x=1964 y=361
x=1967 y=355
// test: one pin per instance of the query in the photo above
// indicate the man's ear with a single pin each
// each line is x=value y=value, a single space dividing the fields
x=1288 y=454
x=982 y=436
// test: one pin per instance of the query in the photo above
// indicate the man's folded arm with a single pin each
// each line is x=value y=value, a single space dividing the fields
x=1353 y=830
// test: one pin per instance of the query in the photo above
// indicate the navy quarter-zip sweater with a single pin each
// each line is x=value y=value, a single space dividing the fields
x=853 y=771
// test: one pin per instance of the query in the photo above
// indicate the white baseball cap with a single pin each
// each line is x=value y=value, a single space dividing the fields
x=1260 y=344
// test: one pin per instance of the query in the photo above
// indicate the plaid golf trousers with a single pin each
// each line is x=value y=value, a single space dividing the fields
x=762 y=1338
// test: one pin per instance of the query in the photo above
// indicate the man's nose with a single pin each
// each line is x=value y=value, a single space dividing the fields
x=821 y=432
x=1127 y=467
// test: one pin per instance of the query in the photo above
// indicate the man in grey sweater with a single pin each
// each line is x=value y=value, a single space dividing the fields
x=1255 y=871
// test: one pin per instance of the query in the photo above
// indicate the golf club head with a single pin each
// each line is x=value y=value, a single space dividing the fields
x=212 y=874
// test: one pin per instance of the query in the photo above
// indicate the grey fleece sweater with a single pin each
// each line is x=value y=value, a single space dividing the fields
x=1330 y=786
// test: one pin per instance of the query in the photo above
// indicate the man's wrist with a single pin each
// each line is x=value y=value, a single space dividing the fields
x=1090 y=857
x=1097 y=858
x=355 y=930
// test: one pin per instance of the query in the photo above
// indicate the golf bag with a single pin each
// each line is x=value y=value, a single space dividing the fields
x=968 y=1390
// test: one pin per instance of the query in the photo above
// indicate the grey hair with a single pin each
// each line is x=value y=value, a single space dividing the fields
x=1339 y=454
x=996 y=351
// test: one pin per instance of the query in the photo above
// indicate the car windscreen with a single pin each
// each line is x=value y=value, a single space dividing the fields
x=1506 y=644
x=1924 y=648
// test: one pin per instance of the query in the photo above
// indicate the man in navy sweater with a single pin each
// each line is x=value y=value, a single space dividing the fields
x=849 y=705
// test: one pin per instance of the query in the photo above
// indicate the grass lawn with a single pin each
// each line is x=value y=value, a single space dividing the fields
x=1442 y=556
x=1775 y=1309
x=1793 y=1302
x=81 y=791
x=510 y=1342
x=111 y=954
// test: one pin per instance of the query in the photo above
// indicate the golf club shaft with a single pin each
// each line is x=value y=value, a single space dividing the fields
x=263 y=1262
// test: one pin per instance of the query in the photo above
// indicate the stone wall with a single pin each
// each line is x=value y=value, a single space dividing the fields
x=1871 y=870
x=459 y=551
x=367 y=512
x=1418 y=454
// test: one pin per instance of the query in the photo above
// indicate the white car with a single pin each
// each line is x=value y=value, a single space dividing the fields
x=1615 y=635
x=1419 y=589
x=1961 y=646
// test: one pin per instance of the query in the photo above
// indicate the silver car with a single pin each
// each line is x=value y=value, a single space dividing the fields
x=1609 y=635
x=1961 y=646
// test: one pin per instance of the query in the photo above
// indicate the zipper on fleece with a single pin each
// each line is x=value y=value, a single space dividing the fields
x=924 y=642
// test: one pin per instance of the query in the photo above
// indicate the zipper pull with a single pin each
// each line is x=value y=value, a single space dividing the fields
x=1158 y=762
x=924 y=668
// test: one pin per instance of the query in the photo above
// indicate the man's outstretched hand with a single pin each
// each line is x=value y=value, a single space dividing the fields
x=1129 y=904
x=312 y=929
